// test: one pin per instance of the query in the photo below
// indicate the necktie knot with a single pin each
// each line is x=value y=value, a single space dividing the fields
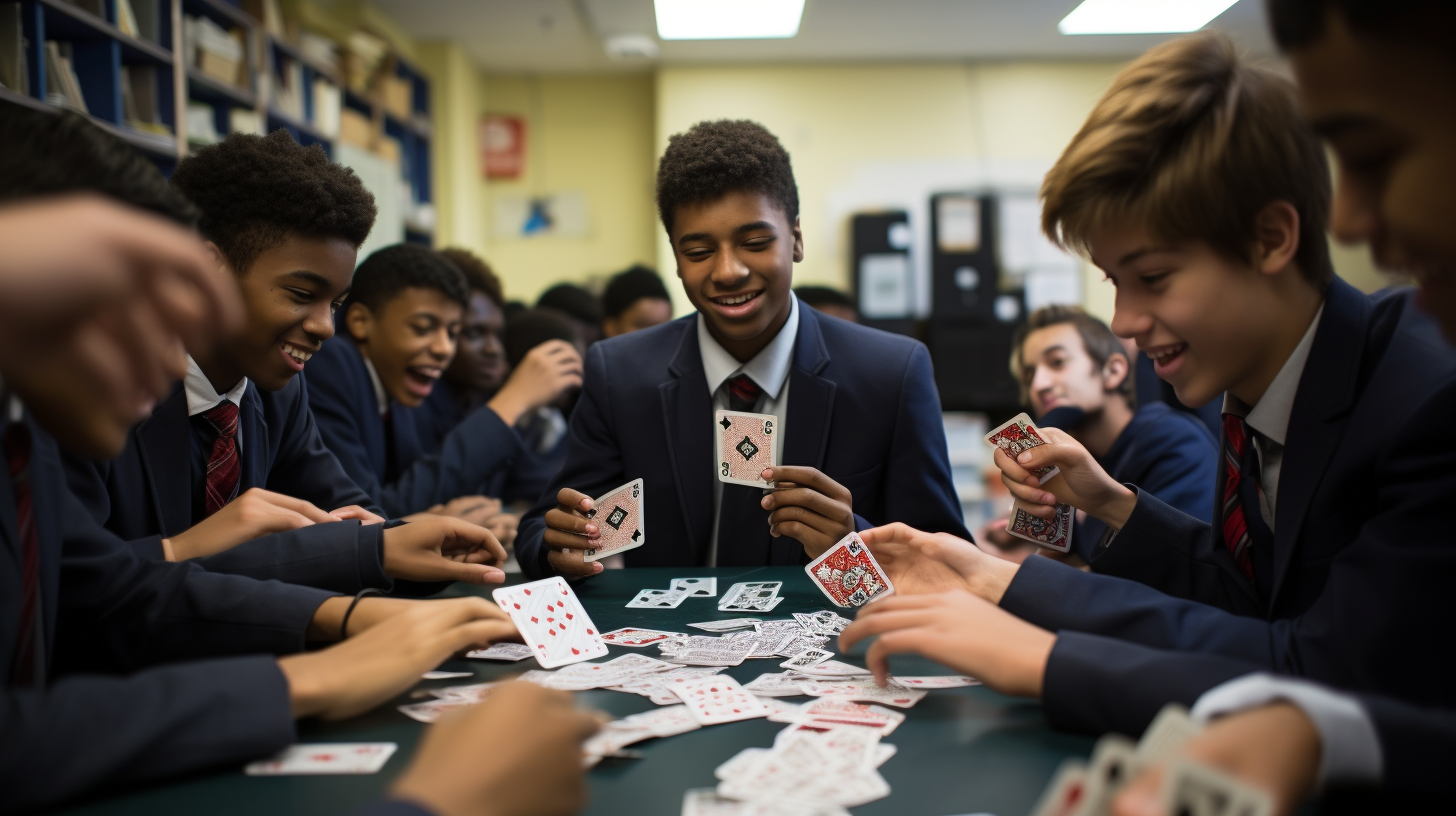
x=224 y=417
x=1237 y=432
x=743 y=393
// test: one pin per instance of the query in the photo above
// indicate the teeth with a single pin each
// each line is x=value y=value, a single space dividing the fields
x=1160 y=356
x=734 y=300
x=297 y=354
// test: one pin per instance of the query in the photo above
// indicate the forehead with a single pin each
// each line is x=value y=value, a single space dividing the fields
x=482 y=308
x=417 y=300
x=722 y=216
x=1063 y=336
x=332 y=258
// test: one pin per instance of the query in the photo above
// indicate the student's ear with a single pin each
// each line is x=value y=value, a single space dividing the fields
x=798 y=242
x=359 y=321
x=1114 y=373
x=1276 y=237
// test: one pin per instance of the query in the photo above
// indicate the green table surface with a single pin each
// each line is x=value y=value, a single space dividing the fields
x=965 y=750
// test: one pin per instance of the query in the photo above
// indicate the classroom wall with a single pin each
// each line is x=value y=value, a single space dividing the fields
x=459 y=195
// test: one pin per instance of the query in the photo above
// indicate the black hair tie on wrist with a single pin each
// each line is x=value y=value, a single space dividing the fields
x=344 y=624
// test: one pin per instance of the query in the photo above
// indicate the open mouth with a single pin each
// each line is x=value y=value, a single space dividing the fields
x=737 y=304
x=420 y=380
x=1166 y=358
x=295 y=356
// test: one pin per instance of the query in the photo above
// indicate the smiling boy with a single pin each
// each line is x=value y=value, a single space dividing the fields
x=230 y=470
x=858 y=410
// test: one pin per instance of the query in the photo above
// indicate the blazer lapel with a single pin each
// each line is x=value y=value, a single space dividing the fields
x=687 y=411
x=1326 y=394
x=256 y=452
x=811 y=407
x=164 y=441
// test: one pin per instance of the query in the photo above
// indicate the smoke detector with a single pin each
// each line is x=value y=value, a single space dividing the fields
x=631 y=47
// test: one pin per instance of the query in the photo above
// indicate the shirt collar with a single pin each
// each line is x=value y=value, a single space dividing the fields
x=1270 y=416
x=769 y=368
x=201 y=396
x=381 y=397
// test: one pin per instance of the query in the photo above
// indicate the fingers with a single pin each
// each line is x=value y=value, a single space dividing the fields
x=468 y=573
x=354 y=511
x=303 y=508
x=894 y=533
x=1013 y=472
x=807 y=477
x=881 y=617
x=900 y=641
x=477 y=635
x=1141 y=796
x=809 y=499
x=570 y=562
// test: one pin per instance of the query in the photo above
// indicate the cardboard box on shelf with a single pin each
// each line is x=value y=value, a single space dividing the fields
x=398 y=93
x=387 y=148
x=355 y=128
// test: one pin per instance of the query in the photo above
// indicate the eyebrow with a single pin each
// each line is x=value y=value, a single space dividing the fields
x=1141 y=252
x=739 y=230
x=312 y=277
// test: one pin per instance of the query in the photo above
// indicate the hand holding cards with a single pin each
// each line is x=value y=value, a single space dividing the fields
x=746 y=444
x=618 y=515
x=1015 y=436
x=849 y=574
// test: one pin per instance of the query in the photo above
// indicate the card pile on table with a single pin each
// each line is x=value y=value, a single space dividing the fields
x=818 y=765
x=1088 y=788
x=672 y=597
x=1018 y=435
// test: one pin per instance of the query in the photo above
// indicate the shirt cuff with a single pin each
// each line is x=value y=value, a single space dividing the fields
x=1350 y=746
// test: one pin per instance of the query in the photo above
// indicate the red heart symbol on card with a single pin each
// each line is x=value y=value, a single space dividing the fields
x=516 y=605
x=590 y=632
x=527 y=591
x=575 y=650
x=551 y=633
x=570 y=616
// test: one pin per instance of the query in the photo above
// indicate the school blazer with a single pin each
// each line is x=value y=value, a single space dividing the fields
x=342 y=398
x=119 y=706
x=862 y=408
x=1362 y=557
x=145 y=494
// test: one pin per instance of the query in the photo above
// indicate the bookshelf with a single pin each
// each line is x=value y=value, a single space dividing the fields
x=167 y=76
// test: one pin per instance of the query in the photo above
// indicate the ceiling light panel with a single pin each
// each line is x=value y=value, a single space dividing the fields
x=728 y=19
x=1136 y=16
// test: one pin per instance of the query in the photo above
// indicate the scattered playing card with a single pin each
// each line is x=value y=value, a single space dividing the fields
x=747 y=443
x=806 y=659
x=431 y=710
x=849 y=574
x=834 y=668
x=637 y=637
x=1018 y=435
x=774 y=685
x=697 y=587
x=1054 y=535
x=328 y=758
x=725 y=625
x=863 y=689
x=445 y=675
x=618 y=515
x=750 y=596
x=937 y=681
x=552 y=622
x=503 y=651
x=718 y=699
x=658 y=599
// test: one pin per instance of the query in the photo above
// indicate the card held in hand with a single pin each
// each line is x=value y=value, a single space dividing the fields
x=1018 y=435
x=747 y=443
x=849 y=574
x=1054 y=535
x=552 y=622
x=619 y=518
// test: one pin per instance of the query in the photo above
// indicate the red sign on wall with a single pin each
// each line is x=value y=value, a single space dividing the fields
x=502 y=146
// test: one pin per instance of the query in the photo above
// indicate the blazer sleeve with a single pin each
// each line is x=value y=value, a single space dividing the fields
x=918 y=486
x=593 y=464
x=82 y=732
x=339 y=556
x=1416 y=744
x=1183 y=475
x=469 y=456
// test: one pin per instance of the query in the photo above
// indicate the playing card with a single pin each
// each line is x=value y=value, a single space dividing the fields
x=774 y=685
x=863 y=689
x=637 y=638
x=725 y=625
x=618 y=515
x=444 y=675
x=552 y=622
x=1166 y=734
x=1191 y=789
x=849 y=574
x=756 y=596
x=718 y=699
x=1066 y=793
x=431 y=710
x=503 y=651
x=1018 y=435
x=937 y=681
x=666 y=722
x=1110 y=768
x=1054 y=535
x=833 y=668
x=658 y=599
x=806 y=659
x=325 y=758
x=697 y=587
x=829 y=712
x=747 y=443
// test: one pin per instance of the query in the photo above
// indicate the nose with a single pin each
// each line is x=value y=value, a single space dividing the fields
x=728 y=271
x=442 y=345
x=1130 y=317
x=319 y=322
x=1041 y=381
x=1354 y=217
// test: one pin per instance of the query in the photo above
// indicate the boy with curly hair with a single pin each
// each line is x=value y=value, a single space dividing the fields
x=230 y=470
x=863 y=440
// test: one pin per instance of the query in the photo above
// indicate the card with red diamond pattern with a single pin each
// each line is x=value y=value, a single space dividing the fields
x=552 y=622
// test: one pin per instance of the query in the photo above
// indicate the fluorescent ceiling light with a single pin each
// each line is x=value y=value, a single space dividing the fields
x=728 y=19
x=1136 y=16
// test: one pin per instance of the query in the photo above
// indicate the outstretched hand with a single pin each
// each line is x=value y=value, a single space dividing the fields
x=920 y=563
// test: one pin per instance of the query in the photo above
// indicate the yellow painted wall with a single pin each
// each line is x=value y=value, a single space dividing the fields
x=459 y=195
x=592 y=134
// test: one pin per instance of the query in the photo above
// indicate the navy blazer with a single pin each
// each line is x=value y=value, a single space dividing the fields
x=118 y=706
x=341 y=395
x=862 y=408
x=146 y=494
x=1361 y=563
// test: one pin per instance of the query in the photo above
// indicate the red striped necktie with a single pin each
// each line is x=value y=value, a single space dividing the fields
x=223 y=467
x=1238 y=450
x=742 y=393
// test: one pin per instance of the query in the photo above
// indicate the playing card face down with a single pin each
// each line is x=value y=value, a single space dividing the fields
x=552 y=622
x=325 y=759
x=848 y=574
x=719 y=699
x=1054 y=535
x=747 y=443
x=1018 y=435
x=618 y=515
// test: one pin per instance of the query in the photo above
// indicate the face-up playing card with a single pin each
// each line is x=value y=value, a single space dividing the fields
x=697 y=587
x=725 y=625
x=325 y=759
x=503 y=651
x=431 y=710
x=1198 y=790
x=618 y=516
x=848 y=574
x=806 y=659
x=1054 y=535
x=833 y=668
x=1018 y=435
x=552 y=622
x=658 y=599
x=936 y=681
x=1066 y=793
x=637 y=637
x=746 y=444
x=719 y=699
x=750 y=596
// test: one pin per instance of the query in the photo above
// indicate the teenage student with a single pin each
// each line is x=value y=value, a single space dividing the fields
x=228 y=469
x=1337 y=450
x=578 y=304
x=1067 y=359
x=634 y=299
x=93 y=633
x=828 y=300
x=397 y=336
x=862 y=433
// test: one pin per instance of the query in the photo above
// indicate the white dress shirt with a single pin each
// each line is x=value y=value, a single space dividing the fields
x=769 y=369
x=381 y=397
x=201 y=396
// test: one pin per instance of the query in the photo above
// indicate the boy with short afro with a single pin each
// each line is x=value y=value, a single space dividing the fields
x=230 y=470
x=863 y=439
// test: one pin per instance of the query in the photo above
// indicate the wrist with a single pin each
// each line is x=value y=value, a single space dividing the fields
x=1036 y=653
x=1116 y=511
x=306 y=695
x=508 y=406
x=170 y=550
x=991 y=578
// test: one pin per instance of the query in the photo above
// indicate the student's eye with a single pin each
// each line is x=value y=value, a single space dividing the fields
x=759 y=244
x=1155 y=278
x=336 y=306
x=471 y=333
x=422 y=329
x=302 y=295
x=698 y=254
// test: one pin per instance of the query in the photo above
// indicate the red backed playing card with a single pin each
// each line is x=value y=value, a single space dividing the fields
x=1018 y=435
x=1054 y=535
x=848 y=574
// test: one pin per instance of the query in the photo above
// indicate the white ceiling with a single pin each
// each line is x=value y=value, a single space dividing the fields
x=565 y=36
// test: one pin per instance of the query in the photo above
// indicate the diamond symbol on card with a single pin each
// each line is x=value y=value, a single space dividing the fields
x=747 y=448
x=617 y=517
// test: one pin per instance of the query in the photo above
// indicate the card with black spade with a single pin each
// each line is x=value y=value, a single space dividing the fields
x=618 y=515
x=746 y=444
